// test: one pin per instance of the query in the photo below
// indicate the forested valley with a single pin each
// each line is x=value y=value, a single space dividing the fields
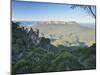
x=34 y=54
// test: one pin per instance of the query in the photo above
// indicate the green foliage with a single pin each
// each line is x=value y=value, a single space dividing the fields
x=39 y=59
x=65 y=61
x=18 y=36
x=36 y=60
x=87 y=57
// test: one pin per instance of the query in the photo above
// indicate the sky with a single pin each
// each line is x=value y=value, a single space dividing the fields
x=35 y=11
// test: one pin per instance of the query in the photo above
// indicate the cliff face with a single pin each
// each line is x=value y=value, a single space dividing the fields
x=24 y=40
x=33 y=36
x=34 y=39
x=55 y=22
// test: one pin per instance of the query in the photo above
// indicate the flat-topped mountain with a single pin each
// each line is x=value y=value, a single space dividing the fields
x=56 y=22
x=66 y=31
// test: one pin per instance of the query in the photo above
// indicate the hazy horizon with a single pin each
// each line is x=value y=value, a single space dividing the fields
x=32 y=23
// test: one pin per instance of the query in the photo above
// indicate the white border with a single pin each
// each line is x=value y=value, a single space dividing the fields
x=86 y=2
x=5 y=39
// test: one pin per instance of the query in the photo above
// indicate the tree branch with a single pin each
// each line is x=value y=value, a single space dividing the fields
x=93 y=14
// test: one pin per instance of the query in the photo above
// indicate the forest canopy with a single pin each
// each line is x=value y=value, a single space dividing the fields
x=30 y=56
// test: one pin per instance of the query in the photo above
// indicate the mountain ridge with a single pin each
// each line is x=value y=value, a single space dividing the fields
x=62 y=31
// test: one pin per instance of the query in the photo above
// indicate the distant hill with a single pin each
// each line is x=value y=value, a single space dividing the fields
x=66 y=33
